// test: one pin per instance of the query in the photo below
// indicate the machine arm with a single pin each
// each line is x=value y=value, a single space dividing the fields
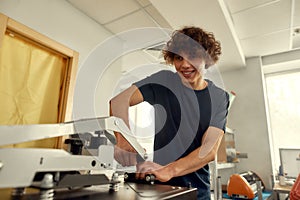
x=13 y=134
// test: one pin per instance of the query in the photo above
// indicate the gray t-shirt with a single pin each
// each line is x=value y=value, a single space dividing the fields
x=182 y=115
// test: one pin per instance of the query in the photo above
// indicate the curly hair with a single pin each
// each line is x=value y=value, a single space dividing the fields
x=195 y=42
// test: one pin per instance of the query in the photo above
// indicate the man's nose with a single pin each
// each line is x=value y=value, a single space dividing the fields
x=186 y=63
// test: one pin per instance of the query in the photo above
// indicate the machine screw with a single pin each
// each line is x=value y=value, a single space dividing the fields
x=150 y=178
x=114 y=186
x=47 y=181
x=17 y=192
x=47 y=191
x=145 y=156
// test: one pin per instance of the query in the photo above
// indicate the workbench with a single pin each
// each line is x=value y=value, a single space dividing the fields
x=134 y=191
x=285 y=189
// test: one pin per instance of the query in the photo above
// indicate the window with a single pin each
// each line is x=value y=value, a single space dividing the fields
x=284 y=111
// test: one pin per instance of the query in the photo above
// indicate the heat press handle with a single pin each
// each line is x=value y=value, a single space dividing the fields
x=131 y=177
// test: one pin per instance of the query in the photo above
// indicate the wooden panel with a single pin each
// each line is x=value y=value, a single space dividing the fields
x=38 y=38
x=3 y=23
x=69 y=88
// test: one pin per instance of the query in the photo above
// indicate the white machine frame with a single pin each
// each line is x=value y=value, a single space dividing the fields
x=18 y=166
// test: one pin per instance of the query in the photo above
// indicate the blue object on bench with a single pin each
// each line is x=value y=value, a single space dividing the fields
x=265 y=195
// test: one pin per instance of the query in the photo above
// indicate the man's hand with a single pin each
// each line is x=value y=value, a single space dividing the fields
x=161 y=173
x=124 y=153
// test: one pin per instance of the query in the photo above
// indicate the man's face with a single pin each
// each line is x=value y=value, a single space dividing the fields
x=189 y=69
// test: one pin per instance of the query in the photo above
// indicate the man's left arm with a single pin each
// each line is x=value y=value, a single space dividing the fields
x=190 y=163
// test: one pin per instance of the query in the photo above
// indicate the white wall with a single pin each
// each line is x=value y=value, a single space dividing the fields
x=248 y=117
x=58 y=20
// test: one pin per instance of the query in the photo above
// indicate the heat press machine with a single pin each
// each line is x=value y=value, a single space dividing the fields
x=245 y=185
x=60 y=174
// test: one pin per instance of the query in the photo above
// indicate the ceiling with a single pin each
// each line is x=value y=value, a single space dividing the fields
x=245 y=28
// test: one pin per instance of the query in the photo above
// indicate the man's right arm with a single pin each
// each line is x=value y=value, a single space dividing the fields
x=119 y=106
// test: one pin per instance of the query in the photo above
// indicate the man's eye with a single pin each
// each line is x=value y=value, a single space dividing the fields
x=178 y=57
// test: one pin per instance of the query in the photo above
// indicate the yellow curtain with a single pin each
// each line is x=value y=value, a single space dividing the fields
x=30 y=82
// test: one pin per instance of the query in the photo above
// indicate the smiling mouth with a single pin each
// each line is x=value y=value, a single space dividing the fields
x=187 y=74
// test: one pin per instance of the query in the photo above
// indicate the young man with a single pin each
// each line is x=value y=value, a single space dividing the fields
x=190 y=113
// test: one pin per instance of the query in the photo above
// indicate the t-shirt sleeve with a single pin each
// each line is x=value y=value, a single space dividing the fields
x=149 y=86
x=147 y=91
x=220 y=110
